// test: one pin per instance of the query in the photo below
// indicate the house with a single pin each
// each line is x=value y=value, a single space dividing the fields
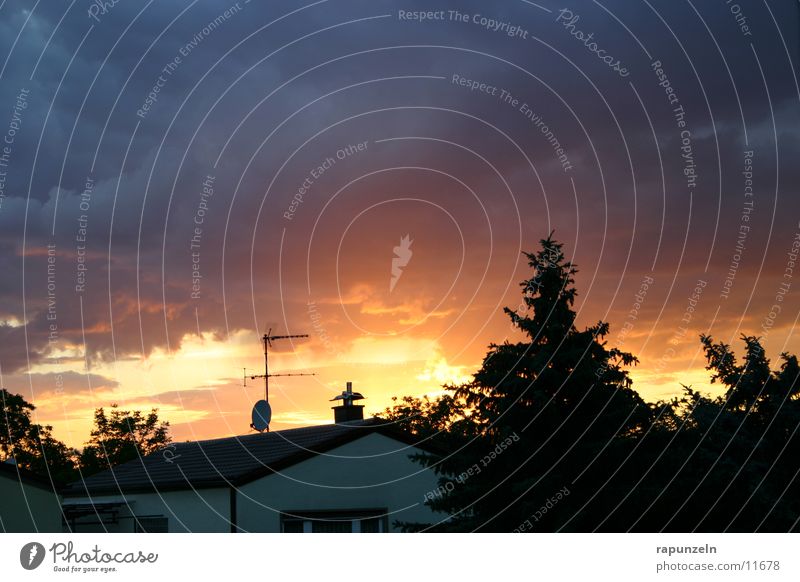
x=28 y=502
x=352 y=476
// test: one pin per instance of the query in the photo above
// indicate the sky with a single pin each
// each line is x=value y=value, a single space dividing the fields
x=177 y=178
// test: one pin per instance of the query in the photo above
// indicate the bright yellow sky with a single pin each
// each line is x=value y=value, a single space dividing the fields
x=408 y=343
x=199 y=388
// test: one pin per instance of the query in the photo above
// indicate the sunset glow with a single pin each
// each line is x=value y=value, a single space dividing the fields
x=372 y=178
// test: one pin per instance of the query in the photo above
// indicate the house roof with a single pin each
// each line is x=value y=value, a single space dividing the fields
x=17 y=473
x=227 y=461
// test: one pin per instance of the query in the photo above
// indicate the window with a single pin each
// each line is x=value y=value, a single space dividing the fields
x=355 y=521
x=151 y=525
x=337 y=525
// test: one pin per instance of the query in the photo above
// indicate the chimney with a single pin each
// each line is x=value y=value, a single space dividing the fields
x=347 y=411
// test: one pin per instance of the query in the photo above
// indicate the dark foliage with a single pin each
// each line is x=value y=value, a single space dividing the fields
x=550 y=436
x=122 y=436
x=32 y=446
x=116 y=438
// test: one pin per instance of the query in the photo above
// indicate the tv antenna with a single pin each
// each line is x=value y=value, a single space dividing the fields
x=262 y=412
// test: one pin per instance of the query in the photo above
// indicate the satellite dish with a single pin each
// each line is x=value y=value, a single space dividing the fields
x=262 y=414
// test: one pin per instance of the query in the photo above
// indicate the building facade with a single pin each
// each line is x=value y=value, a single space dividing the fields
x=28 y=503
x=355 y=476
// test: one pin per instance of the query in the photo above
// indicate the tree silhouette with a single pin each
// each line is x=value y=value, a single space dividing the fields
x=751 y=384
x=541 y=410
x=549 y=435
x=122 y=436
x=32 y=446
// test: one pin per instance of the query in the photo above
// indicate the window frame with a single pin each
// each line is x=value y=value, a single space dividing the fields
x=354 y=516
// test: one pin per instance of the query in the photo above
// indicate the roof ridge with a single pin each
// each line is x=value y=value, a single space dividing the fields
x=252 y=435
x=367 y=422
x=226 y=460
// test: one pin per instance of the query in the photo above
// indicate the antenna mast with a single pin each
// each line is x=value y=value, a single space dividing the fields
x=268 y=338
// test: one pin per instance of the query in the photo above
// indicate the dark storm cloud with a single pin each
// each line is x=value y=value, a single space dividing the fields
x=51 y=383
x=147 y=182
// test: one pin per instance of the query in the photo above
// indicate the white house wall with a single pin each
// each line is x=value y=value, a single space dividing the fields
x=371 y=472
x=28 y=508
x=202 y=510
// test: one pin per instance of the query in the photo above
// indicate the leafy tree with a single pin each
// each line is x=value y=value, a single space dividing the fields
x=16 y=422
x=714 y=464
x=32 y=446
x=443 y=417
x=121 y=436
x=722 y=470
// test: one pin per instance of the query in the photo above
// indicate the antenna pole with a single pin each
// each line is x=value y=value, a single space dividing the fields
x=266 y=366
x=268 y=339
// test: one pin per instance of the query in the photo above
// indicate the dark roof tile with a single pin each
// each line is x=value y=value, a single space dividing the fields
x=222 y=462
